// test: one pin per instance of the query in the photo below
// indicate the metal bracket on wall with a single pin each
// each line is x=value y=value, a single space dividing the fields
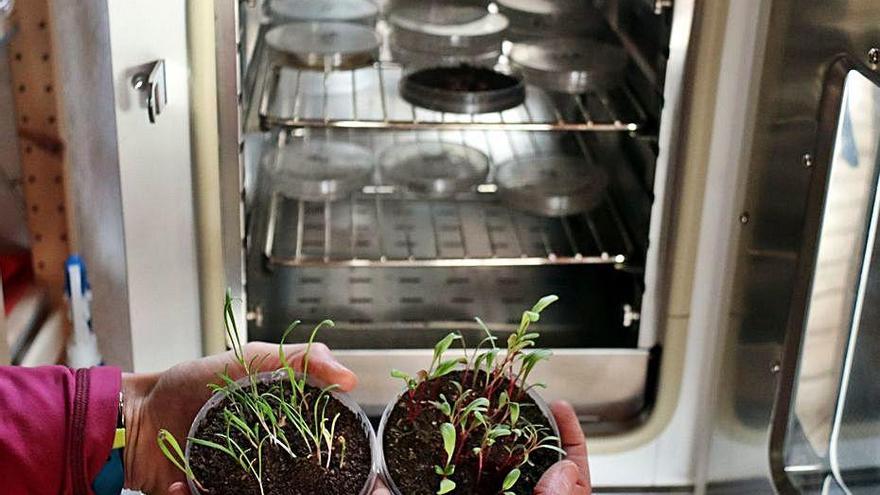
x=151 y=82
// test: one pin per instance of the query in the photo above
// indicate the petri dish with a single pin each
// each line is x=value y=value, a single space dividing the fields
x=323 y=45
x=556 y=17
x=448 y=29
x=416 y=59
x=357 y=11
x=434 y=168
x=552 y=185
x=570 y=65
x=463 y=89
x=319 y=170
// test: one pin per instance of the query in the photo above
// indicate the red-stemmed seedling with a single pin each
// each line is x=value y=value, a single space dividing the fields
x=485 y=409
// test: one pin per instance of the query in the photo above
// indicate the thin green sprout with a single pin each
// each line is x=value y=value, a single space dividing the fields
x=284 y=404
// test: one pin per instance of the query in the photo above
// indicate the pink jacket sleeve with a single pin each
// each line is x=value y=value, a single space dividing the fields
x=56 y=427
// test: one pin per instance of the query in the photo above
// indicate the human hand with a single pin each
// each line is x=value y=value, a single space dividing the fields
x=171 y=400
x=570 y=476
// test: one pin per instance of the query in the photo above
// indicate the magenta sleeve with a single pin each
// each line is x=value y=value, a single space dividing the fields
x=56 y=427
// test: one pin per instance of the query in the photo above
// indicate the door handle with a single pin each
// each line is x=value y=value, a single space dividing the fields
x=151 y=82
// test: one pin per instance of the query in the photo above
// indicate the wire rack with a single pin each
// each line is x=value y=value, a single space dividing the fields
x=367 y=98
x=377 y=228
x=383 y=226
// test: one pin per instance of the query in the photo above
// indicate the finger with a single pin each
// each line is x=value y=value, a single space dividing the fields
x=578 y=490
x=380 y=489
x=561 y=479
x=324 y=367
x=178 y=488
x=581 y=490
x=262 y=356
x=572 y=437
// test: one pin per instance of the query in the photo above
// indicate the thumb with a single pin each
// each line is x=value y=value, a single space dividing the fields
x=560 y=479
x=326 y=369
x=380 y=488
x=178 y=488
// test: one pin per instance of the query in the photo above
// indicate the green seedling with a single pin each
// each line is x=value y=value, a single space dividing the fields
x=487 y=400
x=274 y=406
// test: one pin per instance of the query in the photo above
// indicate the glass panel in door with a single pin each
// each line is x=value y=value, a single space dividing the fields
x=832 y=442
x=855 y=433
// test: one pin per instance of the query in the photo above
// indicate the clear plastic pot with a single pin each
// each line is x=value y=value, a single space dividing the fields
x=380 y=436
x=271 y=376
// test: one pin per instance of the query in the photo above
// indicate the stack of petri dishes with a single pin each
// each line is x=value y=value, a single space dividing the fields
x=446 y=34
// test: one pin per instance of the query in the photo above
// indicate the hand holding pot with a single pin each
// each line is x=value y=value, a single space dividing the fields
x=570 y=476
x=172 y=399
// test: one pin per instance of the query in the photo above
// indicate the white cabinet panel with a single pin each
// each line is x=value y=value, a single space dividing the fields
x=156 y=183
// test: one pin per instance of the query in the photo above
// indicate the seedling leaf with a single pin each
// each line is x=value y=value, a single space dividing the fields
x=514 y=413
x=446 y=486
x=553 y=448
x=544 y=302
x=443 y=345
x=166 y=440
x=510 y=479
x=446 y=367
x=212 y=445
x=400 y=374
x=447 y=431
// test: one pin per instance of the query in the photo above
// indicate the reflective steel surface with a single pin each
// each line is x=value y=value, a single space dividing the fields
x=833 y=285
x=855 y=434
x=805 y=39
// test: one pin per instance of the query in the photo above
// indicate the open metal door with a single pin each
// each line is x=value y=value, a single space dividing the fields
x=825 y=435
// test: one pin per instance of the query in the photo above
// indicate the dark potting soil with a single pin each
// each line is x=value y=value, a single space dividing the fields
x=463 y=78
x=413 y=446
x=219 y=474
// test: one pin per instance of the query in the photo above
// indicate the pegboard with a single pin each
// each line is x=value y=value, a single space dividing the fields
x=41 y=148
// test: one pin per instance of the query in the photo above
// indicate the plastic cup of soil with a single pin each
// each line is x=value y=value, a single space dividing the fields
x=348 y=466
x=411 y=447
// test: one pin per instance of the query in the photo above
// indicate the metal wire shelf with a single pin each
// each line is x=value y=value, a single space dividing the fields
x=375 y=228
x=367 y=98
x=384 y=226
